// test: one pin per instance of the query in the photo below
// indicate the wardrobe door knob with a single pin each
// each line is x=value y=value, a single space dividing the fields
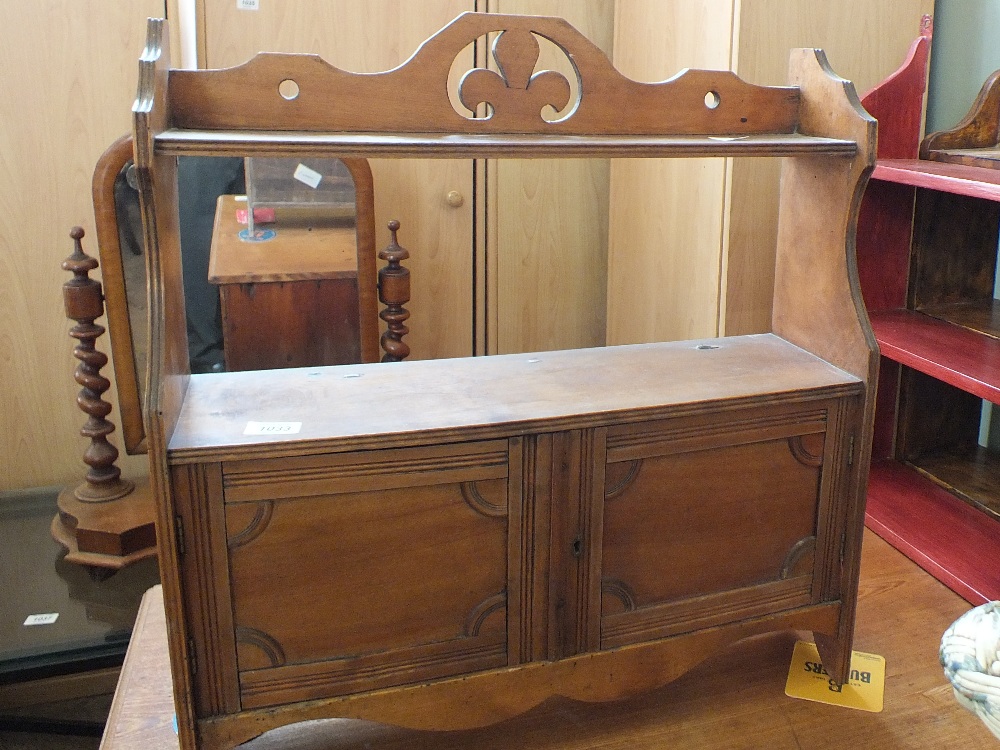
x=454 y=199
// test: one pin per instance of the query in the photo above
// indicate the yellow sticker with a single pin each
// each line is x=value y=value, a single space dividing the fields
x=809 y=680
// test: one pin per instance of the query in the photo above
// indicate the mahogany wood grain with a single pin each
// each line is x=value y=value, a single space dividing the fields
x=372 y=450
x=947 y=537
x=980 y=128
x=733 y=701
x=345 y=407
x=412 y=99
x=951 y=353
x=168 y=365
x=987 y=158
x=302 y=323
x=84 y=303
x=818 y=305
x=539 y=146
x=127 y=375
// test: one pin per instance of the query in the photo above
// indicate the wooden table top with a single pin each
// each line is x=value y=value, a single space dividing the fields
x=300 y=250
x=734 y=701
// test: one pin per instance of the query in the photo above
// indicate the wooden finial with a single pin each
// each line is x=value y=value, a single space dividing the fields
x=394 y=292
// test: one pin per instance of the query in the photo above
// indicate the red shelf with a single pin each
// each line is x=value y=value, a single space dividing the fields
x=955 y=355
x=976 y=182
x=952 y=541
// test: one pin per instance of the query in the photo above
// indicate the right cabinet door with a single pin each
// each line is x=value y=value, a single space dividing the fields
x=715 y=518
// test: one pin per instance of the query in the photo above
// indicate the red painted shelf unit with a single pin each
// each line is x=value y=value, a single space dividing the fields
x=927 y=247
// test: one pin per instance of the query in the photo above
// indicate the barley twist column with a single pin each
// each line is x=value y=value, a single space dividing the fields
x=394 y=292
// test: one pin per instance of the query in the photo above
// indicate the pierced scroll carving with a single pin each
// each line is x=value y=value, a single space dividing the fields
x=270 y=647
x=516 y=91
x=415 y=96
x=616 y=488
x=807 y=449
x=620 y=591
x=482 y=611
x=476 y=500
x=799 y=560
x=260 y=521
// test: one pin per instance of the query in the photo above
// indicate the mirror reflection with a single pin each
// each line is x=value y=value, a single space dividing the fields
x=278 y=259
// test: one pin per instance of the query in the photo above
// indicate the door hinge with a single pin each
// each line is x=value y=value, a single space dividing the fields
x=192 y=657
x=843 y=546
x=850 y=451
x=179 y=529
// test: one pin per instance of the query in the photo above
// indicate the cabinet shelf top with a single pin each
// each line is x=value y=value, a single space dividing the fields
x=178 y=142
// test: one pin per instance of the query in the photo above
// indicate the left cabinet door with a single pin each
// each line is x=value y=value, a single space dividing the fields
x=371 y=37
x=370 y=569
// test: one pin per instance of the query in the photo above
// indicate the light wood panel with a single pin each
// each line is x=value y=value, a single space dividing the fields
x=679 y=229
x=547 y=238
x=864 y=43
x=68 y=73
x=666 y=218
x=438 y=235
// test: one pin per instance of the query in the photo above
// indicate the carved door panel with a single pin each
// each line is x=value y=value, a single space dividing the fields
x=365 y=570
x=668 y=483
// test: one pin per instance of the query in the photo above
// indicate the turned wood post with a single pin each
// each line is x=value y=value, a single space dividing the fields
x=84 y=301
x=394 y=292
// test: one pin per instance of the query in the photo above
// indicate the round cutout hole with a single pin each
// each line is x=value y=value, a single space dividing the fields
x=712 y=99
x=288 y=89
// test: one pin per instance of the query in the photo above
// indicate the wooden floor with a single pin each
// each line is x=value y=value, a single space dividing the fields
x=734 y=701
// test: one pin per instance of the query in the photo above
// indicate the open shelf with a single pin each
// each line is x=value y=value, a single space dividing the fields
x=972 y=473
x=959 y=179
x=948 y=538
x=180 y=142
x=981 y=316
x=988 y=158
x=370 y=405
x=952 y=353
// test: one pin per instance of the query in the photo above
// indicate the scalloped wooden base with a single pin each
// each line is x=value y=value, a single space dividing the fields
x=109 y=534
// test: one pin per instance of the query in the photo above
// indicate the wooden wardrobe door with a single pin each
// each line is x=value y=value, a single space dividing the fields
x=370 y=37
x=547 y=238
x=67 y=72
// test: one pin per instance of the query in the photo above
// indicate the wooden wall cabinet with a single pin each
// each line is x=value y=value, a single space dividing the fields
x=927 y=248
x=446 y=543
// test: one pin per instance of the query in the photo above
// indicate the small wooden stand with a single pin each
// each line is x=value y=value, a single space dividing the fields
x=105 y=522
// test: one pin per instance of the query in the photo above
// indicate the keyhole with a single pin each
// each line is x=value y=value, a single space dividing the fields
x=577 y=547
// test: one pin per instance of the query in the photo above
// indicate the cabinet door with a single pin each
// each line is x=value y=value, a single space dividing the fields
x=369 y=37
x=717 y=518
x=366 y=570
